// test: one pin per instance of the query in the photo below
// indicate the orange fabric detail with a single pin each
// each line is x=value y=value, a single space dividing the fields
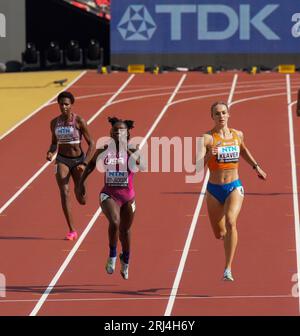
x=214 y=163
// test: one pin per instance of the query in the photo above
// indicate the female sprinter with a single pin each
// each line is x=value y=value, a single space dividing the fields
x=117 y=198
x=223 y=147
x=67 y=131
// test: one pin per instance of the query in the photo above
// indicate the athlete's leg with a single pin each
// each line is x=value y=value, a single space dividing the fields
x=112 y=212
x=127 y=216
x=63 y=177
x=76 y=175
x=216 y=216
x=232 y=208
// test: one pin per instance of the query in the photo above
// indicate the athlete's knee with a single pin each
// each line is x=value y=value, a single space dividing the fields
x=124 y=231
x=114 y=223
x=64 y=190
x=230 y=223
x=80 y=198
x=220 y=235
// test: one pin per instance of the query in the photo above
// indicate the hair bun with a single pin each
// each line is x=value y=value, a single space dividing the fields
x=129 y=123
x=113 y=120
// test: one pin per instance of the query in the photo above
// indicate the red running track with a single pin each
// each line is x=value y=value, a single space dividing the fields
x=32 y=227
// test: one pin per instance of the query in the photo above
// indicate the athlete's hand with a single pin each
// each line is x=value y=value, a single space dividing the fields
x=80 y=168
x=213 y=150
x=49 y=156
x=260 y=173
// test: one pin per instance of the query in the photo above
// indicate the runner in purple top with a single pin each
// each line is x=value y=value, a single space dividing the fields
x=67 y=131
x=117 y=198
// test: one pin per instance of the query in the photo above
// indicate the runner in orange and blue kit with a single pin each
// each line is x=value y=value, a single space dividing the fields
x=223 y=147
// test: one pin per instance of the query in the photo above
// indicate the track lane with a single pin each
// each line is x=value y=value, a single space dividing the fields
x=85 y=278
x=162 y=216
x=265 y=260
x=24 y=149
x=33 y=227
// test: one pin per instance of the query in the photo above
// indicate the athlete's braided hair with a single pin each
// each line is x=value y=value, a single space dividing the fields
x=128 y=123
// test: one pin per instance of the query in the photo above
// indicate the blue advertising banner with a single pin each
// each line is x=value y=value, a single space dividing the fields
x=205 y=26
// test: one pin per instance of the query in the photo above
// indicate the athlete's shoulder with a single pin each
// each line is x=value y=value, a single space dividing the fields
x=80 y=123
x=239 y=133
x=208 y=137
x=53 y=122
x=208 y=133
x=80 y=120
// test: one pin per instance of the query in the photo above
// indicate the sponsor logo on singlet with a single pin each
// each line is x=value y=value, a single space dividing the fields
x=114 y=161
x=64 y=132
x=117 y=178
x=228 y=154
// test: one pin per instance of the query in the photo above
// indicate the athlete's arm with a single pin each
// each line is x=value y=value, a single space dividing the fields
x=81 y=189
x=204 y=152
x=133 y=153
x=86 y=134
x=91 y=165
x=248 y=157
x=53 y=146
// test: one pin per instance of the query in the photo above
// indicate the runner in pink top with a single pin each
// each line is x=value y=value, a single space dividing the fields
x=118 y=179
x=117 y=198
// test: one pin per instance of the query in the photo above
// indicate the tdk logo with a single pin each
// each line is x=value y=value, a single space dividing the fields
x=137 y=23
x=296 y=26
x=2 y=25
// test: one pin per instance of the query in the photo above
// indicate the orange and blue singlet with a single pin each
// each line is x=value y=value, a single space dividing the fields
x=227 y=157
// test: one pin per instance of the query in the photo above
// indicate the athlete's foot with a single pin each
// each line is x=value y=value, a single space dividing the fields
x=227 y=275
x=72 y=235
x=124 y=268
x=110 y=265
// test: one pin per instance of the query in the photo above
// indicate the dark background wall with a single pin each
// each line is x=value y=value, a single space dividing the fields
x=49 y=20
x=13 y=44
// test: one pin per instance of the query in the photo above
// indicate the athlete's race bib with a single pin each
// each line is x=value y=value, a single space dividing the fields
x=228 y=154
x=117 y=178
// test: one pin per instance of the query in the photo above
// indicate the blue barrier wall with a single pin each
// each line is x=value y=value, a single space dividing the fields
x=198 y=27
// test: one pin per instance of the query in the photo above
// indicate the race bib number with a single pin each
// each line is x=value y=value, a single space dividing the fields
x=228 y=154
x=117 y=178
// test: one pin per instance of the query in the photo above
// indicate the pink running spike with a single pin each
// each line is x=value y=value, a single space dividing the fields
x=72 y=235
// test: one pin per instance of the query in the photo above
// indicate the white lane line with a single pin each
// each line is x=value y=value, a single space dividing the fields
x=65 y=264
x=7 y=204
x=188 y=241
x=294 y=179
x=41 y=107
x=162 y=297
x=162 y=113
x=110 y=101
x=20 y=191
x=96 y=215
x=200 y=88
x=124 y=100
x=162 y=88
